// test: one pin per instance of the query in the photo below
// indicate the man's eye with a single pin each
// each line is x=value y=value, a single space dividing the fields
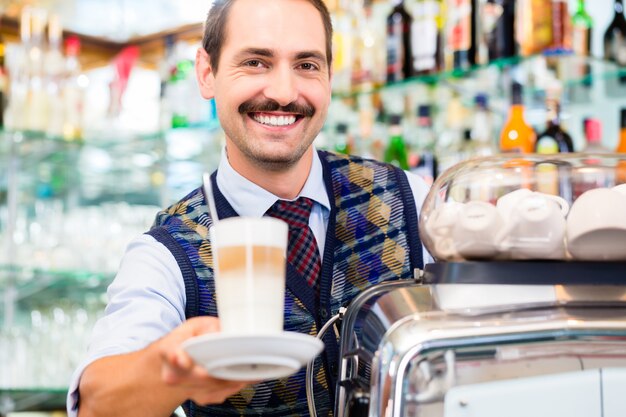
x=308 y=66
x=254 y=63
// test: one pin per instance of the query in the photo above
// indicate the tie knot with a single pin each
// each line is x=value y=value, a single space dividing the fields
x=296 y=213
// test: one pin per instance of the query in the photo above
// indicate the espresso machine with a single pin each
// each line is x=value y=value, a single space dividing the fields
x=452 y=343
x=524 y=312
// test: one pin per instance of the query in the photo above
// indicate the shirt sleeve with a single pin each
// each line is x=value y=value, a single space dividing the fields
x=146 y=300
x=420 y=191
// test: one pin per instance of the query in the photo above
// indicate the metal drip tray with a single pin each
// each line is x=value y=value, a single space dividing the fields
x=526 y=273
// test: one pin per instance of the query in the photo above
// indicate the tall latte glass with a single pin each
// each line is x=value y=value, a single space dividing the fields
x=249 y=263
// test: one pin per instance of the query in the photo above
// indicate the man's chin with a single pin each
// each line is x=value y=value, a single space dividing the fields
x=277 y=162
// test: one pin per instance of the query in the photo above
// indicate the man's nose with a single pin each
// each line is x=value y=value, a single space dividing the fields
x=282 y=85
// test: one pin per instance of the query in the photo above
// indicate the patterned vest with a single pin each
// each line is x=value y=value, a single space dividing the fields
x=372 y=237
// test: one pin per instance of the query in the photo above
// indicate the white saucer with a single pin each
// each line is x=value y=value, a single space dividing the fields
x=253 y=357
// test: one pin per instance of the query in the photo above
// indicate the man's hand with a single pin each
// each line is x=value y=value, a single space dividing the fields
x=180 y=371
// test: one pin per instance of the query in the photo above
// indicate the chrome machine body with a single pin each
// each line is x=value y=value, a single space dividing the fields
x=457 y=342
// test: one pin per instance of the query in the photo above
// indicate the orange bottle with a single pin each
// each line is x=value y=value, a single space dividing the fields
x=621 y=147
x=517 y=136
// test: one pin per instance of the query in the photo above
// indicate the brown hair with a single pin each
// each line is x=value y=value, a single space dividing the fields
x=214 y=29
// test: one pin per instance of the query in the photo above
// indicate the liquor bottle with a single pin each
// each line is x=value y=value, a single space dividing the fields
x=396 y=151
x=54 y=70
x=422 y=158
x=37 y=106
x=621 y=146
x=582 y=25
x=561 y=38
x=615 y=36
x=167 y=67
x=399 y=59
x=368 y=68
x=587 y=179
x=427 y=37
x=481 y=132
x=73 y=91
x=366 y=113
x=554 y=139
x=3 y=83
x=459 y=29
x=517 y=136
x=477 y=54
x=593 y=136
x=343 y=47
x=554 y=176
x=533 y=26
x=498 y=28
x=342 y=140
x=18 y=70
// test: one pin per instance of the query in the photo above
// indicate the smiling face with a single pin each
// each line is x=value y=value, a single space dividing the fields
x=272 y=89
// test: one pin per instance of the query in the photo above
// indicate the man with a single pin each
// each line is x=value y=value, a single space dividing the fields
x=267 y=63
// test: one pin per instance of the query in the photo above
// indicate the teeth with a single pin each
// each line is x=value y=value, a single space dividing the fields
x=275 y=120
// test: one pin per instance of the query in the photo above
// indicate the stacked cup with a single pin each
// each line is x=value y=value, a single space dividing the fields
x=535 y=225
x=527 y=224
x=596 y=225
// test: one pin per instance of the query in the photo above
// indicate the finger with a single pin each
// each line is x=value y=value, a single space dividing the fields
x=203 y=324
x=172 y=375
x=182 y=360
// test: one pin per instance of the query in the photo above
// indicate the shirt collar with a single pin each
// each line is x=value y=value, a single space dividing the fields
x=250 y=200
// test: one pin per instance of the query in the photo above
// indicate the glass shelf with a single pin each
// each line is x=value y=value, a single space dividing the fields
x=68 y=209
x=28 y=282
x=32 y=399
x=588 y=69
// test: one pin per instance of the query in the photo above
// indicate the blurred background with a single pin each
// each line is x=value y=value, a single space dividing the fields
x=102 y=125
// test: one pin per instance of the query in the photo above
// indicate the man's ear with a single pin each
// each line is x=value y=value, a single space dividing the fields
x=204 y=74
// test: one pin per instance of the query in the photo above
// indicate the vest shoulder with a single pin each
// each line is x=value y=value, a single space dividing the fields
x=189 y=209
x=335 y=160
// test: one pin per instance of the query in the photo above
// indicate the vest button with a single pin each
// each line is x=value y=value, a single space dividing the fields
x=324 y=313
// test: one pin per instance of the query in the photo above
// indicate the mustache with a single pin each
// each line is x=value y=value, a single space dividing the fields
x=252 y=106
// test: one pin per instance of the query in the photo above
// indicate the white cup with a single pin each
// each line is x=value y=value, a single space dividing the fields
x=507 y=203
x=596 y=226
x=535 y=228
x=477 y=231
x=621 y=188
x=439 y=226
x=250 y=260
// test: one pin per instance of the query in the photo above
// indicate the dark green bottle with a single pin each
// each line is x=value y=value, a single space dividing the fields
x=396 y=152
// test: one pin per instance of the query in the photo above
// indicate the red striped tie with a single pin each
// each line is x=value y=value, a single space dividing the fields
x=302 y=253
